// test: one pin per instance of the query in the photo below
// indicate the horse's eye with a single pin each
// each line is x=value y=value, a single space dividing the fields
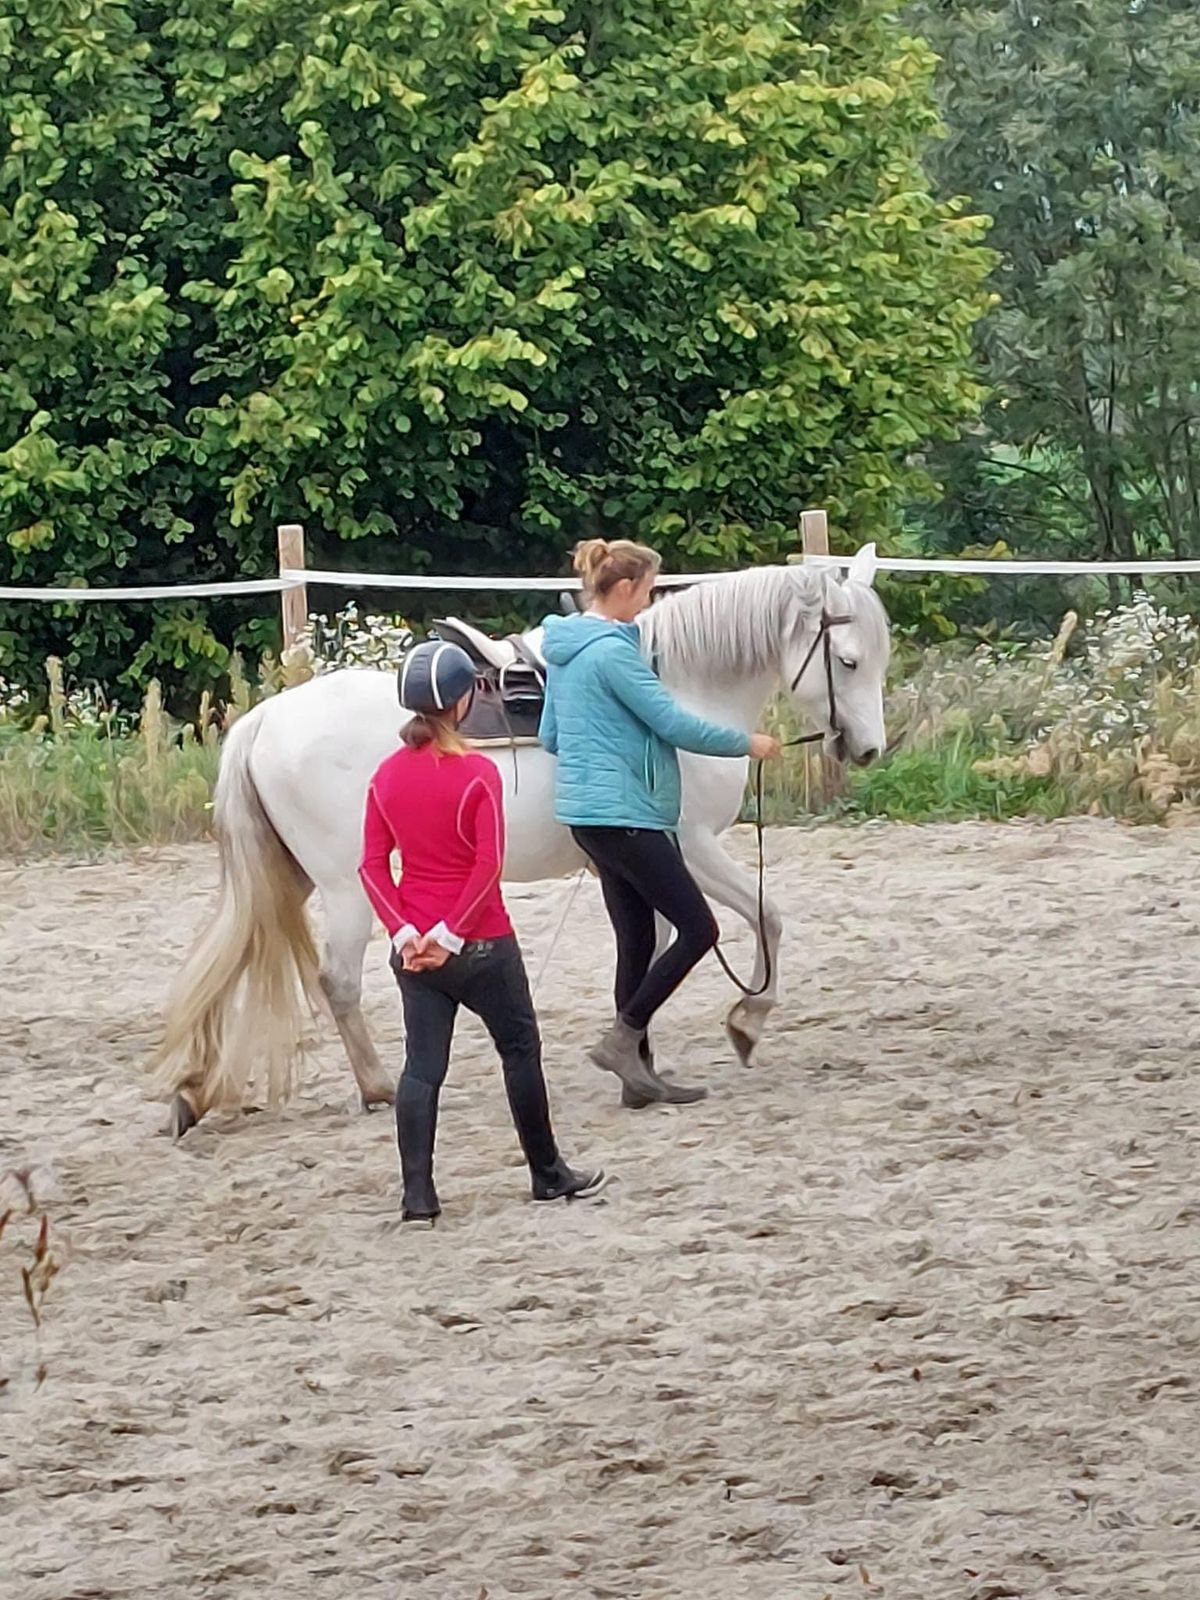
x=849 y=665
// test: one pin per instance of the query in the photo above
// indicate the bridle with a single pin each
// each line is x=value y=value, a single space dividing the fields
x=823 y=642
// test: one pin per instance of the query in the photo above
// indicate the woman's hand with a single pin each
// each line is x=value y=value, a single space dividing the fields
x=764 y=746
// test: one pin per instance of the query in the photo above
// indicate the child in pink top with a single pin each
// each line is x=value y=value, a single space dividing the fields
x=445 y=817
x=440 y=808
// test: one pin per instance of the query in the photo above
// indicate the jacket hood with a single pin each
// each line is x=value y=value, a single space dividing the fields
x=564 y=637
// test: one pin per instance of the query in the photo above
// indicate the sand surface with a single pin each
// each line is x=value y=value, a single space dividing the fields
x=908 y=1310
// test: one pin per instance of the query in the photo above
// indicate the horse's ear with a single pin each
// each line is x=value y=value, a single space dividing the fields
x=863 y=566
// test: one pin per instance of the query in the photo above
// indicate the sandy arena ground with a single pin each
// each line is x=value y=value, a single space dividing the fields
x=909 y=1310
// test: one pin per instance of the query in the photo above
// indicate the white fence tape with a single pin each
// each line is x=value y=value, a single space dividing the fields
x=155 y=591
x=296 y=577
x=426 y=580
x=1021 y=569
x=670 y=580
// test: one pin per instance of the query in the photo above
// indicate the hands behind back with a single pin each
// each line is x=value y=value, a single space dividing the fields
x=424 y=954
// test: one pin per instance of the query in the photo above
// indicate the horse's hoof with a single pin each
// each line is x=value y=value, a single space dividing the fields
x=182 y=1118
x=743 y=1041
x=373 y=1102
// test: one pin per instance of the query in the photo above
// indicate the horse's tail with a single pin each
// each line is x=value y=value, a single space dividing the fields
x=253 y=975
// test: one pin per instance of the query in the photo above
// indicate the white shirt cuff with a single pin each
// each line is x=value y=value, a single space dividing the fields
x=441 y=934
x=402 y=937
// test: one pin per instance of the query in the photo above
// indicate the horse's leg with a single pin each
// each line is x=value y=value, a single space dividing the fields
x=723 y=880
x=348 y=919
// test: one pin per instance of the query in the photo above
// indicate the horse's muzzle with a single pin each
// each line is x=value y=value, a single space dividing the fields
x=839 y=748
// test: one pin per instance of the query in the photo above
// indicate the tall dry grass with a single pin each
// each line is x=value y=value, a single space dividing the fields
x=86 y=773
x=1104 y=718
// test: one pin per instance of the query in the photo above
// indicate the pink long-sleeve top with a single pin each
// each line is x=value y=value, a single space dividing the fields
x=444 y=816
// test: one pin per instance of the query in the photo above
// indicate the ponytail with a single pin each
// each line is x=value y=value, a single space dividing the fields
x=433 y=728
x=603 y=563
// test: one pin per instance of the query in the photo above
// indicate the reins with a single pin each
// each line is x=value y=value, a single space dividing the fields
x=823 y=639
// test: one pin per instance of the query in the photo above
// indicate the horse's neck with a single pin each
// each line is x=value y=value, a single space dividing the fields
x=711 y=680
x=720 y=647
x=732 y=703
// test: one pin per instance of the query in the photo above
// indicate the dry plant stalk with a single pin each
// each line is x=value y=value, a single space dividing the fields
x=44 y=1265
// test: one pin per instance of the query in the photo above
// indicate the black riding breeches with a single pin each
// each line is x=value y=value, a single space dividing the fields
x=641 y=873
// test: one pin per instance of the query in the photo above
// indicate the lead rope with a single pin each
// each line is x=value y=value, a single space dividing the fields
x=753 y=994
x=760 y=840
x=822 y=637
x=562 y=922
x=827 y=622
x=760 y=837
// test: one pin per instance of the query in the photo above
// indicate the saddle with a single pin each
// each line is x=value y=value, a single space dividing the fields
x=510 y=681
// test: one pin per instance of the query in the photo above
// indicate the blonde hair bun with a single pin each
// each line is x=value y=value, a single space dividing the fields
x=589 y=556
x=603 y=563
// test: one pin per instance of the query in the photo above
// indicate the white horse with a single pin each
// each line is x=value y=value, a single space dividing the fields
x=292 y=789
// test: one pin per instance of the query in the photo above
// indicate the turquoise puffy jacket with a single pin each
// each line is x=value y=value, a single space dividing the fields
x=615 y=729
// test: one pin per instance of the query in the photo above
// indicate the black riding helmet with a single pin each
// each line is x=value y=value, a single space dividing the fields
x=433 y=676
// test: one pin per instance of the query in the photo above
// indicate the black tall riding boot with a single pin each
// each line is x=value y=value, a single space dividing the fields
x=416 y=1129
x=552 y=1178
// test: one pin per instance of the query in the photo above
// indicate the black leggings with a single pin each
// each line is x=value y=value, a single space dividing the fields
x=642 y=872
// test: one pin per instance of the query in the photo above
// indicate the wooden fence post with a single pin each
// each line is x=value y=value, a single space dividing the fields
x=294 y=601
x=814 y=533
x=814 y=539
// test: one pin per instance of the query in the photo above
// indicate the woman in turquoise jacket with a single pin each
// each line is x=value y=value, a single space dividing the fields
x=616 y=730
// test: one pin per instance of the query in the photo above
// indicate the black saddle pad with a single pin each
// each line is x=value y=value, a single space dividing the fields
x=496 y=719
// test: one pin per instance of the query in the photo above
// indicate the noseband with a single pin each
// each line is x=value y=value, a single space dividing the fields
x=824 y=642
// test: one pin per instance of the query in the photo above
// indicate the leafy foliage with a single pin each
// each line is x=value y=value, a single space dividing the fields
x=1076 y=126
x=456 y=282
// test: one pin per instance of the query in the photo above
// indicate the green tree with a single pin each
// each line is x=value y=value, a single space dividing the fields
x=458 y=280
x=87 y=325
x=1076 y=125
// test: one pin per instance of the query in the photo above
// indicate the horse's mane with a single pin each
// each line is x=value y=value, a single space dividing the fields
x=737 y=626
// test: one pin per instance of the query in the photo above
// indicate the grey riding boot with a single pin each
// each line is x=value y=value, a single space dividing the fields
x=673 y=1094
x=620 y=1051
